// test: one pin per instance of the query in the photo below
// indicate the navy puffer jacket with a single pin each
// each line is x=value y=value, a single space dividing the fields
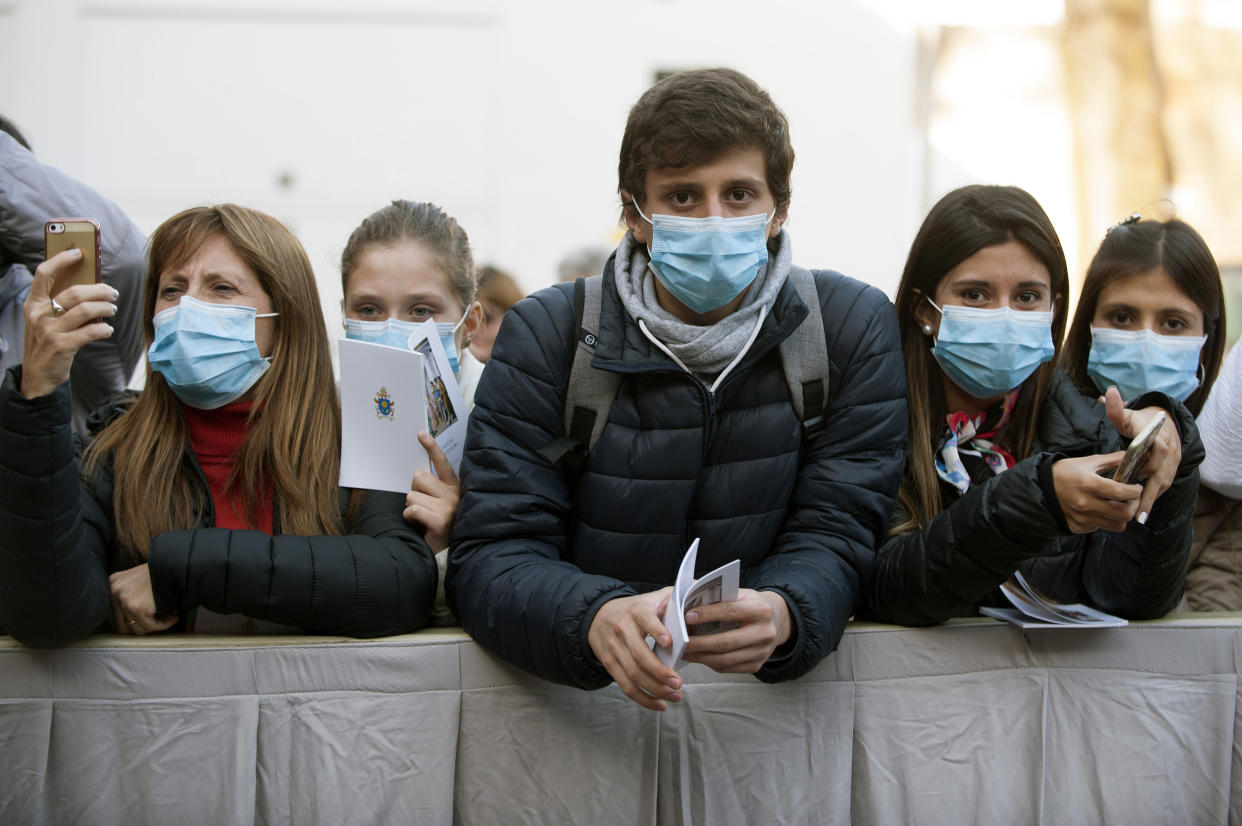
x=58 y=547
x=958 y=560
x=537 y=549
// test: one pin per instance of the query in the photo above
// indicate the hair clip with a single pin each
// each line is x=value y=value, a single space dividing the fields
x=1132 y=218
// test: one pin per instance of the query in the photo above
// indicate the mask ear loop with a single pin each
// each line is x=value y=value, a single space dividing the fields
x=462 y=320
x=268 y=359
x=639 y=210
x=927 y=329
x=464 y=341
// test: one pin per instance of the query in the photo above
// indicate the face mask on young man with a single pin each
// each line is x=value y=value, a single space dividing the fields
x=207 y=352
x=1141 y=361
x=707 y=262
x=394 y=332
x=987 y=353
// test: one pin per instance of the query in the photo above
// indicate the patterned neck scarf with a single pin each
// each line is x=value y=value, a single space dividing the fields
x=972 y=436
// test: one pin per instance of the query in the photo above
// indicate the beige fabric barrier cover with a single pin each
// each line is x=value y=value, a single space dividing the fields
x=975 y=722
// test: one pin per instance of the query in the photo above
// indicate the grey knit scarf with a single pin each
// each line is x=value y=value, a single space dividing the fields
x=708 y=349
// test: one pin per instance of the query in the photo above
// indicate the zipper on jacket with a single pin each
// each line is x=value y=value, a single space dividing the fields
x=710 y=413
x=709 y=419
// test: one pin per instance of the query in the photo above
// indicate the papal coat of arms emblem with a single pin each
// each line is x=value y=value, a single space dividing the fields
x=385 y=407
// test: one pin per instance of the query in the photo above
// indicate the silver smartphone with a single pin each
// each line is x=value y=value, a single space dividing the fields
x=1138 y=451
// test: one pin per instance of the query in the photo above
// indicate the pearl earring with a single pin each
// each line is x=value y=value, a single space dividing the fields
x=927 y=330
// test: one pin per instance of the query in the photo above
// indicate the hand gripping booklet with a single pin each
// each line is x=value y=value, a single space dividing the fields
x=688 y=593
x=1033 y=609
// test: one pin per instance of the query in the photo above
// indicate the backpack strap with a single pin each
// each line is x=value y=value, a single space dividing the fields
x=590 y=392
x=804 y=358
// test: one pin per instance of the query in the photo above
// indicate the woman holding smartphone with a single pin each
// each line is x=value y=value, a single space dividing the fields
x=1152 y=317
x=405 y=264
x=217 y=487
x=1009 y=465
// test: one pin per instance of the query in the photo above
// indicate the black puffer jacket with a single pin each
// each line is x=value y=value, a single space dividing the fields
x=537 y=551
x=57 y=548
x=958 y=560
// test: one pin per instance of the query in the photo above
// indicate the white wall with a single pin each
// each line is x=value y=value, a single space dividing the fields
x=507 y=114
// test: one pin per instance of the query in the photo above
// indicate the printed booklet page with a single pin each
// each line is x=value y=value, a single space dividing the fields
x=383 y=406
x=718 y=586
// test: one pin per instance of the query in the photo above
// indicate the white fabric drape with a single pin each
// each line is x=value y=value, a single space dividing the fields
x=975 y=722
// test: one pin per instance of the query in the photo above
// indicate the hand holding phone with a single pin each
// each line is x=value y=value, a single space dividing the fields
x=57 y=328
x=1139 y=449
x=82 y=234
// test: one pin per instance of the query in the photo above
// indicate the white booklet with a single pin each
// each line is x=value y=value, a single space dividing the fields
x=688 y=593
x=383 y=406
x=446 y=410
x=1033 y=609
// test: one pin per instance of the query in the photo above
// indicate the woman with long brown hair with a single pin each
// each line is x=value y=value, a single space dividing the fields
x=1006 y=456
x=217 y=488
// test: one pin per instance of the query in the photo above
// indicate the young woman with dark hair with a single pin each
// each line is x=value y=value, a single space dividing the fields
x=217 y=488
x=1006 y=456
x=1152 y=317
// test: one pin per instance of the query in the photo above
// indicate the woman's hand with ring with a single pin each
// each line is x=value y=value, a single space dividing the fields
x=133 y=603
x=56 y=328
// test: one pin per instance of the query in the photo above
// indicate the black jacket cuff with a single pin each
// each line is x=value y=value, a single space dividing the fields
x=1049 y=488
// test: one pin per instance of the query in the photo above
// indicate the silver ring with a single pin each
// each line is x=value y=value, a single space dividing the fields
x=58 y=309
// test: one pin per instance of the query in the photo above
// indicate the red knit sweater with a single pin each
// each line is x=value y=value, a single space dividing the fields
x=216 y=436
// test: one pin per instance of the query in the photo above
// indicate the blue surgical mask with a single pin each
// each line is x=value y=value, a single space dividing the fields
x=448 y=337
x=707 y=262
x=987 y=353
x=393 y=332
x=1138 y=362
x=206 y=352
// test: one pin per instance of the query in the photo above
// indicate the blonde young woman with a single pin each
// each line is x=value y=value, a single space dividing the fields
x=217 y=487
x=408 y=263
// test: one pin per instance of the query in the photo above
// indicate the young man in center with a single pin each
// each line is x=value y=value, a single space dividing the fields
x=563 y=567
